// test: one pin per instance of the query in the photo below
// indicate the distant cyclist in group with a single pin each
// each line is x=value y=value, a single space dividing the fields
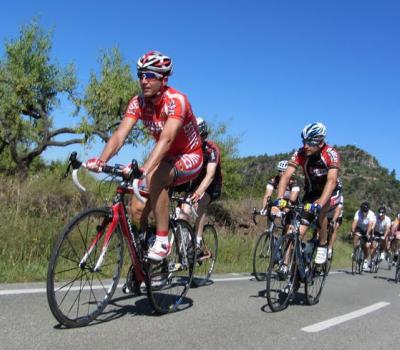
x=335 y=218
x=320 y=163
x=363 y=224
x=381 y=231
x=291 y=192
x=393 y=241
x=177 y=156
x=207 y=186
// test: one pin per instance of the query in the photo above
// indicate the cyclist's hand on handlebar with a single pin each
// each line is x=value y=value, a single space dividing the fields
x=95 y=164
x=280 y=203
x=313 y=208
x=195 y=197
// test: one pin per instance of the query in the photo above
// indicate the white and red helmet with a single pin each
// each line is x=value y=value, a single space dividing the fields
x=156 y=62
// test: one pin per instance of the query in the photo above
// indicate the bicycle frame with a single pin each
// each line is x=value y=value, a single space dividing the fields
x=119 y=217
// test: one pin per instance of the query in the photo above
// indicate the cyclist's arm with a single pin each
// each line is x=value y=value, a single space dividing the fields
x=117 y=139
x=387 y=231
x=329 y=187
x=268 y=193
x=354 y=225
x=284 y=181
x=160 y=150
x=294 y=194
x=370 y=228
x=208 y=179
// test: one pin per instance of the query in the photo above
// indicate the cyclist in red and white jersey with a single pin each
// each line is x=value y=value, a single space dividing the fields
x=207 y=187
x=177 y=156
x=320 y=163
x=291 y=192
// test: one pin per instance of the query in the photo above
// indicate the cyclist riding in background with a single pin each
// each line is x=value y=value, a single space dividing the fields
x=177 y=156
x=291 y=192
x=381 y=230
x=207 y=186
x=394 y=236
x=363 y=224
x=320 y=163
x=335 y=218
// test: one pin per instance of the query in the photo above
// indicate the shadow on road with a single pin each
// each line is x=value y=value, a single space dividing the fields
x=141 y=307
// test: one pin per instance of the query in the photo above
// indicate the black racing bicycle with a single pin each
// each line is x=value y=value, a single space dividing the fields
x=292 y=263
x=265 y=242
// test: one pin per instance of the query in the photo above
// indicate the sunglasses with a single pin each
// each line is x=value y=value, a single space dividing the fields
x=148 y=75
x=311 y=142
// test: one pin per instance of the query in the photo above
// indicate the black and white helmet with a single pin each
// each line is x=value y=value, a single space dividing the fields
x=203 y=128
x=314 y=131
x=282 y=165
x=156 y=62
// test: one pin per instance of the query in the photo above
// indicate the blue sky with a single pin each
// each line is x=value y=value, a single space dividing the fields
x=265 y=67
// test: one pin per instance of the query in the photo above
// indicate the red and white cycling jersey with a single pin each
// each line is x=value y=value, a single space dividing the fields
x=174 y=105
x=316 y=167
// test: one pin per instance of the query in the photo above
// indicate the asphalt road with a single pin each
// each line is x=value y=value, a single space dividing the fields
x=355 y=312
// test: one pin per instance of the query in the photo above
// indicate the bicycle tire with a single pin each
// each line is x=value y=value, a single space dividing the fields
x=168 y=281
x=206 y=263
x=354 y=263
x=280 y=287
x=262 y=256
x=315 y=280
x=76 y=293
x=389 y=260
x=375 y=262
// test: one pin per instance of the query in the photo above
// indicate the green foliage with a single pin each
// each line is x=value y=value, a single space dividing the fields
x=107 y=96
x=30 y=85
x=228 y=144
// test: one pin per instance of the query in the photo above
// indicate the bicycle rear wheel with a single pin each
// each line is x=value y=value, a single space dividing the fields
x=262 y=256
x=76 y=292
x=315 y=280
x=206 y=262
x=168 y=281
x=282 y=273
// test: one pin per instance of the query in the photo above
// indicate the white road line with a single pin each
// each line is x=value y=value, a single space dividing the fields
x=232 y=279
x=317 y=327
x=43 y=290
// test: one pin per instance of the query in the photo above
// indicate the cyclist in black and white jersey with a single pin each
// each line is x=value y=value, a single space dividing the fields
x=291 y=192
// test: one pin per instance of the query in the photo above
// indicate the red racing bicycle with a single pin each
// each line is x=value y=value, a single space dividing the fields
x=87 y=258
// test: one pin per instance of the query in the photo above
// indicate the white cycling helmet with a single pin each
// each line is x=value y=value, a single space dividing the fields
x=314 y=131
x=203 y=128
x=156 y=62
x=282 y=165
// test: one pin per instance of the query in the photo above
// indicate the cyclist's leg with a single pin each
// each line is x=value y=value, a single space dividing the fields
x=140 y=213
x=159 y=182
x=173 y=170
x=201 y=218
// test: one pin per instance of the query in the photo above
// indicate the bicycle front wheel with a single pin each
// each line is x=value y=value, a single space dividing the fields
x=77 y=291
x=261 y=256
x=282 y=273
x=168 y=281
x=208 y=257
